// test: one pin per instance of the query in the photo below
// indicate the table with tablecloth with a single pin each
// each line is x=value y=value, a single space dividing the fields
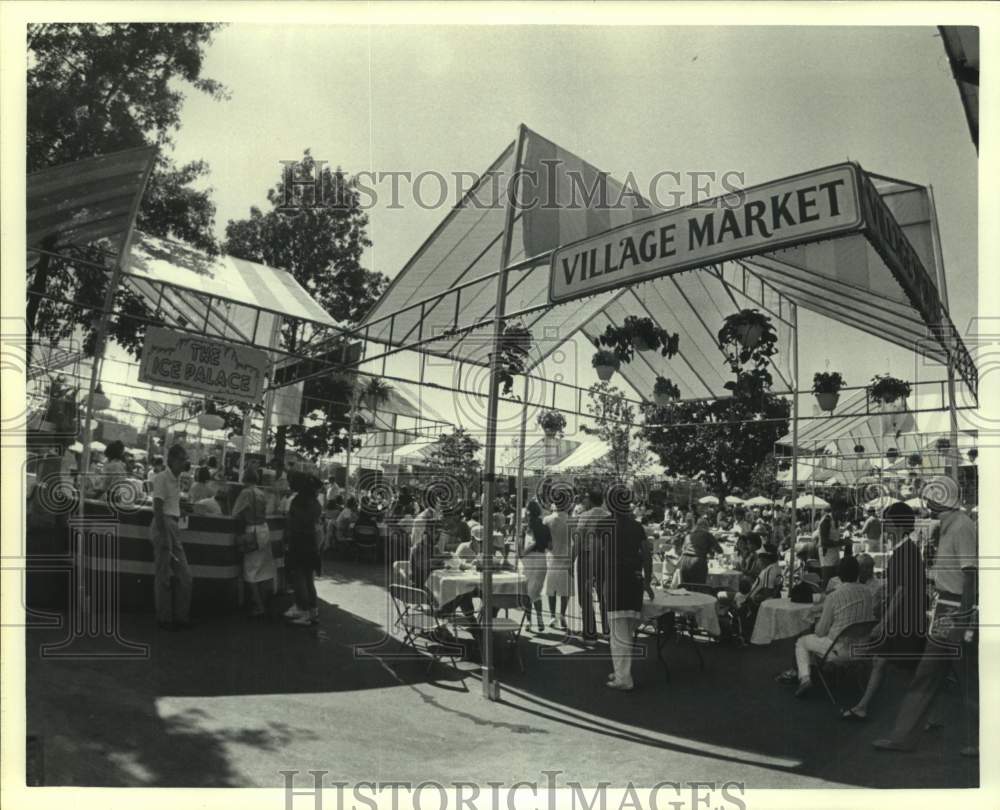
x=783 y=618
x=446 y=585
x=723 y=578
x=699 y=605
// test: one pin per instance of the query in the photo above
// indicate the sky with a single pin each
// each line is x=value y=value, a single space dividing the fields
x=765 y=102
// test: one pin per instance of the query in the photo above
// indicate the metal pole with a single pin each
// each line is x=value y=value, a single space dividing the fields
x=350 y=438
x=491 y=689
x=245 y=442
x=519 y=501
x=100 y=346
x=795 y=439
x=953 y=455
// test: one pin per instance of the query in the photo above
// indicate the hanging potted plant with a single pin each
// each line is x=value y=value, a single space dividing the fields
x=515 y=345
x=943 y=445
x=101 y=400
x=665 y=392
x=886 y=389
x=748 y=335
x=553 y=423
x=892 y=454
x=973 y=454
x=209 y=419
x=859 y=448
x=915 y=459
x=376 y=392
x=826 y=387
x=605 y=363
x=638 y=334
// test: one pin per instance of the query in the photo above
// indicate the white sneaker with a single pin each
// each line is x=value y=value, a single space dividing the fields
x=620 y=685
x=294 y=612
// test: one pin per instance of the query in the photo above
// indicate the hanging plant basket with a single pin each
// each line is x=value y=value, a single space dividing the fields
x=665 y=392
x=892 y=454
x=826 y=387
x=859 y=448
x=943 y=445
x=748 y=335
x=973 y=454
x=101 y=400
x=915 y=460
x=887 y=390
x=211 y=421
x=553 y=423
x=637 y=335
x=605 y=363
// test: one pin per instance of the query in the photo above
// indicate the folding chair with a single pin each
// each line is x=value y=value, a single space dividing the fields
x=506 y=630
x=415 y=617
x=840 y=656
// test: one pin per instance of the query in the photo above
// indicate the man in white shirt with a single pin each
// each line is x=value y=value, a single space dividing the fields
x=851 y=603
x=169 y=559
x=426 y=521
x=955 y=572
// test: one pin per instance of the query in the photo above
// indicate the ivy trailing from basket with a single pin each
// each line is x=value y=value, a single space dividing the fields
x=552 y=422
x=638 y=334
x=827 y=382
x=886 y=389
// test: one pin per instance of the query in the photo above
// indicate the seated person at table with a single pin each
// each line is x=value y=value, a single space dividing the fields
x=469 y=551
x=852 y=602
x=748 y=546
x=425 y=559
x=202 y=487
x=454 y=530
x=866 y=575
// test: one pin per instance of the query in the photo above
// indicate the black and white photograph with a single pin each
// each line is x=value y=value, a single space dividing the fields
x=498 y=405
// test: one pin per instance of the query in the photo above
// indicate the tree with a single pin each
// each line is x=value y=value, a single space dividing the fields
x=455 y=453
x=722 y=442
x=616 y=423
x=315 y=230
x=93 y=89
x=764 y=478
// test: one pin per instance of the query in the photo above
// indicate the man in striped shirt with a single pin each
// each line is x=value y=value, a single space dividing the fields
x=850 y=603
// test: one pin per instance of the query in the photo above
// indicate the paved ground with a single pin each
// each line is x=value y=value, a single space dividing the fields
x=232 y=703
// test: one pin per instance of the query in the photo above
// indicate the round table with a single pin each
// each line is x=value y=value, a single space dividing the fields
x=447 y=584
x=699 y=605
x=724 y=579
x=783 y=618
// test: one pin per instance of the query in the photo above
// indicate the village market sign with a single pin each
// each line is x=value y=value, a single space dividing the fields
x=819 y=204
x=213 y=368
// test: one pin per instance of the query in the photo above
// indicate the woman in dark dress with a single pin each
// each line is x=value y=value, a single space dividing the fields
x=302 y=532
x=629 y=576
x=901 y=633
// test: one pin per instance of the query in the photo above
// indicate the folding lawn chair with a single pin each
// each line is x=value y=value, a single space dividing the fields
x=840 y=655
x=415 y=618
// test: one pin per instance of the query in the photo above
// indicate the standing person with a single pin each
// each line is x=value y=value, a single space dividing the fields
x=259 y=571
x=901 y=632
x=626 y=579
x=829 y=546
x=699 y=544
x=588 y=552
x=346 y=519
x=558 y=563
x=872 y=530
x=302 y=530
x=534 y=563
x=202 y=487
x=172 y=606
x=425 y=524
x=955 y=572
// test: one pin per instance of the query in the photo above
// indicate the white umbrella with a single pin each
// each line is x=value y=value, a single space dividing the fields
x=881 y=502
x=915 y=503
x=734 y=499
x=810 y=502
x=759 y=500
x=100 y=447
x=709 y=499
x=76 y=447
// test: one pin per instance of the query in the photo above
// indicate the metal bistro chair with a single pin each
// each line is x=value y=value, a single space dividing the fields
x=365 y=541
x=415 y=618
x=844 y=658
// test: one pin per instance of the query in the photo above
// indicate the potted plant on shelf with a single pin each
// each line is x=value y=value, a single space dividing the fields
x=553 y=423
x=638 y=334
x=826 y=387
x=886 y=389
x=605 y=363
x=665 y=392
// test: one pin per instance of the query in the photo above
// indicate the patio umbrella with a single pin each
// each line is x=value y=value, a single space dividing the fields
x=709 y=499
x=915 y=503
x=759 y=500
x=810 y=502
x=734 y=499
x=76 y=447
x=100 y=447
